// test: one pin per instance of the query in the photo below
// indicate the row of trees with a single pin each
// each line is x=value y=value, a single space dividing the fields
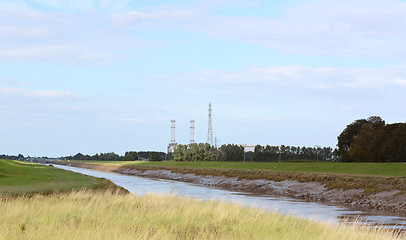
x=232 y=152
x=276 y=153
x=128 y=156
x=372 y=140
x=11 y=157
x=206 y=152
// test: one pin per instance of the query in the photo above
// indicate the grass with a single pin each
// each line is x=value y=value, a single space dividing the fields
x=334 y=175
x=380 y=169
x=105 y=215
x=371 y=177
x=28 y=178
x=370 y=184
x=105 y=162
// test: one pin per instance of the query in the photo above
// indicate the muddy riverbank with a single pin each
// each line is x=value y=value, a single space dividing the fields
x=392 y=200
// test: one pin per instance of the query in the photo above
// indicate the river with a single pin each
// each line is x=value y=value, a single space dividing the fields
x=304 y=209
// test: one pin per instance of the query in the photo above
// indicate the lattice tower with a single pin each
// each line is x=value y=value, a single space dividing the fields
x=192 y=131
x=173 y=131
x=210 y=128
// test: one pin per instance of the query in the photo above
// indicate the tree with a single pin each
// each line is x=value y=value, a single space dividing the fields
x=130 y=156
x=156 y=156
x=258 y=153
x=347 y=137
x=371 y=140
x=231 y=152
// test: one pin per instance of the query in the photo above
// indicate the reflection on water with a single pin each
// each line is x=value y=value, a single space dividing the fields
x=285 y=205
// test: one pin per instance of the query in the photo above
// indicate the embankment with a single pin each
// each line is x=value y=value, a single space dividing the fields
x=22 y=178
x=377 y=192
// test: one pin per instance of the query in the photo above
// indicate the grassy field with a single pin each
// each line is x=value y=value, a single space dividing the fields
x=84 y=215
x=28 y=178
x=104 y=214
x=371 y=177
x=382 y=169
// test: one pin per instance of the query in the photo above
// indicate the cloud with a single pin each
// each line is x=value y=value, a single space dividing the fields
x=38 y=93
x=270 y=78
x=35 y=36
x=61 y=53
x=72 y=5
x=366 y=28
x=400 y=81
x=13 y=82
x=103 y=30
x=131 y=120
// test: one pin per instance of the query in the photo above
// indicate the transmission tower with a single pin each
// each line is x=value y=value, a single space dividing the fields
x=172 y=131
x=192 y=131
x=210 y=129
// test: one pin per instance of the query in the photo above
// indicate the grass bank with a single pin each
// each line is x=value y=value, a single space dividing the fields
x=84 y=215
x=334 y=175
x=29 y=178
x=380 y=169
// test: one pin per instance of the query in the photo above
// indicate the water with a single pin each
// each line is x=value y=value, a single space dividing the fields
x=304 y=209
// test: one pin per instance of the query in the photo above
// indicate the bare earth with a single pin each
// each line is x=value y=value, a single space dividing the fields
x=313 y=191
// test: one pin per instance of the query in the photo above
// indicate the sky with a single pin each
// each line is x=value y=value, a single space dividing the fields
x=95 y=76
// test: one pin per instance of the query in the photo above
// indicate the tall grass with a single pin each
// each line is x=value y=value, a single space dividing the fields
x=84 y=215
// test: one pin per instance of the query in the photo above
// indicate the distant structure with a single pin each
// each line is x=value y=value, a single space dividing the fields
x=192 y=131
x=248 y=148
x=173 y=143
x=210 y=129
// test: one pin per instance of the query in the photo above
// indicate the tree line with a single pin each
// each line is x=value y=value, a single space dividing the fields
x=11 y=157
x=128 y=156
x=372 y=140
x=233 y=152
x=364 y=140
x=279 y=153
x=206 y=152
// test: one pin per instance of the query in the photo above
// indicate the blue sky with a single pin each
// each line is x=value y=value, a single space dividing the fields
x=108 y=76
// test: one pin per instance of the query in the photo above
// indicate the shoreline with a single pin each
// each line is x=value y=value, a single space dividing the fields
x=391 y=201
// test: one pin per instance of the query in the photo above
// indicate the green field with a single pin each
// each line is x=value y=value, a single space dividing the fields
x=25 y=178
x=382 y=169
x=370 y=177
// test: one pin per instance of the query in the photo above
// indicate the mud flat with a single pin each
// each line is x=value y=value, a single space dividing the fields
x=392 y=200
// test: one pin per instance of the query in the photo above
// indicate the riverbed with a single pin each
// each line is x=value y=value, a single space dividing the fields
x=311 y=210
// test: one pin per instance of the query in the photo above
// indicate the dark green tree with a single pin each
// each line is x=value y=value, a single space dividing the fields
x=130 y=156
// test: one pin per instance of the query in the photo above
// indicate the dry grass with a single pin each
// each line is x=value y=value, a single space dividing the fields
x=85 y=215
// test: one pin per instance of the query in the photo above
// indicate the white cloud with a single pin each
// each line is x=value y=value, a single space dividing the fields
x=366 y=28
x=38 y=93
x=292 y=77
x=13 y=82
x=83 y=5
x=400 y=81
x=343 y=28
x=63 y=37
x=12 y=5
x=63 y=53
x=131 y=120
